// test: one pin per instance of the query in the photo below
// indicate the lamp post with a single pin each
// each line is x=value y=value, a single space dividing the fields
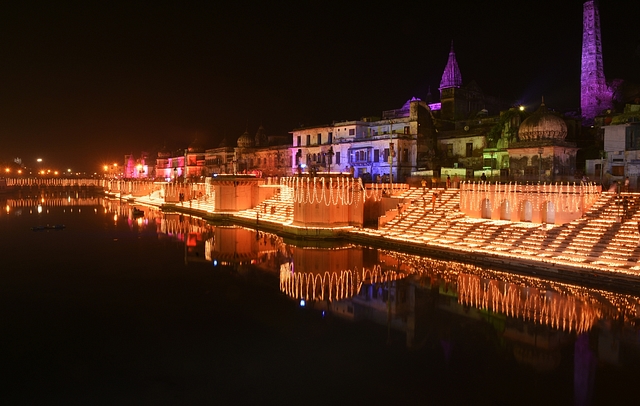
x=540 y=151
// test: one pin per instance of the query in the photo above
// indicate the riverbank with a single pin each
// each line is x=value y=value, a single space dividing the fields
x=596 y=250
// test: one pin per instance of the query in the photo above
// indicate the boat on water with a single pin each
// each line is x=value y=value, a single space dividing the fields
x=138 y=212
x=49 y=227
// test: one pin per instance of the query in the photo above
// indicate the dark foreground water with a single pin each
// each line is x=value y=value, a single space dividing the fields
x=124 y=309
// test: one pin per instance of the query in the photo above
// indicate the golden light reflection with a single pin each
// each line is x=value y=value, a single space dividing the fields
x=558 y=305
x=331 y=286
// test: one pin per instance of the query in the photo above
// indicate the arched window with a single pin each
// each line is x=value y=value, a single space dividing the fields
x=505 y=210
x=548 y=212
x=486 y=209
x=526 y=211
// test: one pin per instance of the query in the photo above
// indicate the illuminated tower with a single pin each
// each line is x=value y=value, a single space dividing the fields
x=450 y=91
x=451 y=76
x=595 y=95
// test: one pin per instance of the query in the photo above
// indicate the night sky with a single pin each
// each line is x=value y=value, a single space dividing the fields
x=84 y=84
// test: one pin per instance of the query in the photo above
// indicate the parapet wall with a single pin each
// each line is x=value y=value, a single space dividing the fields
x=537 y=203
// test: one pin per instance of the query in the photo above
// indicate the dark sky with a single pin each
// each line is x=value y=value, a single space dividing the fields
x=84 y=83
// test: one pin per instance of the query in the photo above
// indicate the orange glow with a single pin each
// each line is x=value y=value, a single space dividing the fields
x=7 y=170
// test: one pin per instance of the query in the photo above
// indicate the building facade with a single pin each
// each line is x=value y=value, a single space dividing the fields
x=387 y=149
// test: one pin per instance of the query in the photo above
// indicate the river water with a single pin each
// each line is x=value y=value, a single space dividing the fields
x=121 y=307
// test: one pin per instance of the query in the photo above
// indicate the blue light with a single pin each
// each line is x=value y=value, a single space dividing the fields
x=323 y=313
x=302 y=303
x=215 y=262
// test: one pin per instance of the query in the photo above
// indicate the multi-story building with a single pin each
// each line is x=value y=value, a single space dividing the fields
x=370 y=148
x=267 y=156
x=170 y=167
x=620 y=157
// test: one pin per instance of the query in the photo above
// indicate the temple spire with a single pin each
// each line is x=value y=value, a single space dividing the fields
x=451 y=76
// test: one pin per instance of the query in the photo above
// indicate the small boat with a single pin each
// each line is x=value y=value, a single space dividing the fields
x=49 y=227
x=138 y=212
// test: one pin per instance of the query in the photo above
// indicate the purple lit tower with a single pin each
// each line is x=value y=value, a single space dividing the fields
x=595 y=95
x=451 y=76
x=450 y=88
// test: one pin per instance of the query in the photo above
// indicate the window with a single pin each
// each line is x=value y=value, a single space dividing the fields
x=405 y=155
x=407 y=130
x=386 y=154
x=330 y=140
x=308 y=139
x=469 y=153
x=338 y=157
x=449 y=150
x=299 y=140
x=376 y=155
x=352 y=131
x=632 y=135
x=319 y=139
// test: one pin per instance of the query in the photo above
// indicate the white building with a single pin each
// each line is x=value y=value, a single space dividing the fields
x=370 y=148
x=621 y=157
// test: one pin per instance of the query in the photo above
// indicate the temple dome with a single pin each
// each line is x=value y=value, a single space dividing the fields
x=245 y=140
x=542 y=125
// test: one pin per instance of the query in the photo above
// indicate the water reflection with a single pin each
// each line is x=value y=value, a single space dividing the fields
x=40 y=202
x=531 y=320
